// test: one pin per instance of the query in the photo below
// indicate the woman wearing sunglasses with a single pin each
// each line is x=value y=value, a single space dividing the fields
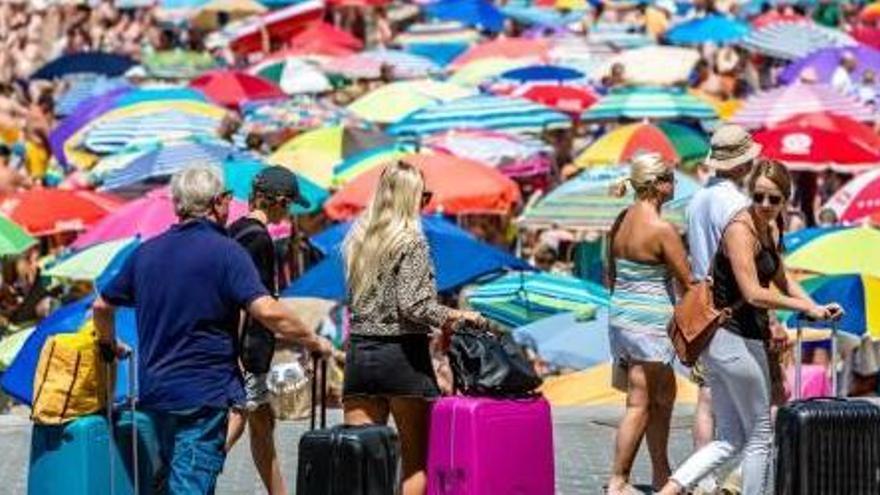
x=393 y=300
x=646 y=254
x=748 y=261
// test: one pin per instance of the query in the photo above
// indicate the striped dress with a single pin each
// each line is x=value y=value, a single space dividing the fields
x=641 y=307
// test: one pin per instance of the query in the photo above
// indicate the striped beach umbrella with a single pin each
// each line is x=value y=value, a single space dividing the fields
x=844 y=251
x=675 y=142
x=520 y=298
x=773 y=106
x=84 y=89
x=113 y=136
x=482 y=112
x=391 y=102
x=794 y=40
x=300 y=113
x=294 y=75
x=368 y=65
x=858 y=295
x=585 y=202
x=512 y=154
x=482 y=70
x=645 y=102
x=90 y=263
x=437 y=33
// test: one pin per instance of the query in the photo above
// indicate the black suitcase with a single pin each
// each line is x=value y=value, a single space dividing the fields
x=827 y=446
x=345 y=460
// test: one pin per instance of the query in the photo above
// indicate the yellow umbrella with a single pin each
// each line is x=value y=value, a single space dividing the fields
x=592 y=387
x=207 y=16
x=312 y=154
x=852 y=250
x=571 y=4
x=480 y=70
x=392 y=102
x=724 y=108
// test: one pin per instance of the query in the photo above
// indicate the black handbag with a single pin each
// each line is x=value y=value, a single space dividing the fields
x=490 y=363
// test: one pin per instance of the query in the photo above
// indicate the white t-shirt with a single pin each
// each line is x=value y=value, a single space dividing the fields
x=842 y=81
x=708 y=214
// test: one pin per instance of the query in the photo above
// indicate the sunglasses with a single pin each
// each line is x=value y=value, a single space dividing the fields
x=426 y=198
x=666 y=177
x=771 y=199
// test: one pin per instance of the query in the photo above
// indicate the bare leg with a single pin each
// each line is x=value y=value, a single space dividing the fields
x=235 y=429
x=661 y=391
x=631 y=429
x=412 y=419
x=262 y=428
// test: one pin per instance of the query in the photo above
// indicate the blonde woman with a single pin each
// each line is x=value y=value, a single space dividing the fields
x=393 y=300
x=646 y=254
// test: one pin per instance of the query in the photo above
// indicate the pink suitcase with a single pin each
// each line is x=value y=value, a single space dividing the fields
x=483 y=446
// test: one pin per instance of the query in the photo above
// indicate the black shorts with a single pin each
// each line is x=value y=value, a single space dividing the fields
x=394 y=366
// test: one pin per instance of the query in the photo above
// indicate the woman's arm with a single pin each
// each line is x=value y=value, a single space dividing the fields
x=675 y=257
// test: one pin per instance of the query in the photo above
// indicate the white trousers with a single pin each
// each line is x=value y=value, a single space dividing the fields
x=740 y=384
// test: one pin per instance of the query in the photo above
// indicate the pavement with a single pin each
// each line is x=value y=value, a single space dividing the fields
x=583 y=437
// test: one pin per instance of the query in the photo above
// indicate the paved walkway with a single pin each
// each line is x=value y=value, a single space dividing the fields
x=583 y=437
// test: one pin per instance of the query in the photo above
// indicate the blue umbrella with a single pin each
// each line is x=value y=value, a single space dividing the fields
x=113 y=136
x=439 y=53
x=795 y=240
x=142 y=95
x=566 y=341
x=541 y=16
x=18 y=380
x=535 y=73
x=85 y=89
x=478 y=13
x=107 y=64
x=709 y=29
x=458 y=259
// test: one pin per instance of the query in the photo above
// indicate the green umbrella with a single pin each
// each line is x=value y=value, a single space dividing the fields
x=519 y=298
x=240 y=175
x=91 y=262
x=11 y=344
x=650 y=103
x=13 y=239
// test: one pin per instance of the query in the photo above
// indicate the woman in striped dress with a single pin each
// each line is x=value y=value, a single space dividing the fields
x=646 y=255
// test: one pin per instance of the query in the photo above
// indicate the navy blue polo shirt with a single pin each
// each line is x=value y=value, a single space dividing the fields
x=187 y=287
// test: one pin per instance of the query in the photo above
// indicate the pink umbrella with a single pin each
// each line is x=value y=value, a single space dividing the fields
x=150 y=216
x=771 y=107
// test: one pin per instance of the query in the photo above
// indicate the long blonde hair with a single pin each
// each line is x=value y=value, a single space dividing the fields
x=391 y=218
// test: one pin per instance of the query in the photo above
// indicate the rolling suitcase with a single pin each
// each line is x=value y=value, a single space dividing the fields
x=827 y=446
x=114 y=454
x=484 y=445
x=345 y=460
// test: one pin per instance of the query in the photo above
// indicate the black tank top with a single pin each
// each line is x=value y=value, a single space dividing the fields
x=747 y=321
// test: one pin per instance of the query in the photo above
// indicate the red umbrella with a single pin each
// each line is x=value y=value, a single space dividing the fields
x=867 y=35
x=568 y=99
x=818 y=140
x=231 y=88
x=513 y=48
x=323 y=34
x=50 y=211
x=460 y=186
x=858 y=199
x=775 y=16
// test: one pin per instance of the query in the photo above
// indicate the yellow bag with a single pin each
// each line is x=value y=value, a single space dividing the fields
x=71 y=378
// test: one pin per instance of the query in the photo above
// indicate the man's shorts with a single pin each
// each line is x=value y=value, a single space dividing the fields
x=256 y=390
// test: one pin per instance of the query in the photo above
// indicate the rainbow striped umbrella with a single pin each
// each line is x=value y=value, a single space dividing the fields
x=646 y=102
x=844 y=251
x=675 y=142
x=858 y=295
x=771 y=107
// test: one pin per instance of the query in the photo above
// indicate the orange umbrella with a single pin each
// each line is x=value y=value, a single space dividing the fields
x=51 y=211
x=459 y=186
x=512 y=48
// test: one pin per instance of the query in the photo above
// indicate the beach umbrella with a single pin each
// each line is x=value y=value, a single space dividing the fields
x=822 y=63
x=852 y=250
x=374 y=158
x=580 y=53
x=651 y=65
x=867 y=35
x=482 y=70
x=675 y=142
x=821 y=140
x=541 y=16
x=481 y=112
x=293 y=75
x=299 y=113
x=481 y=14
x=231 y=88
x=178 y=63
x=508 y=48
x=858 y=295
x=247 y=36
x=209 y=15
x=239 y=178
x=725 y=108
x=369 y=64
x=870 y=13
x=459 y=186
x=87 y=88
x=773 y=16
x=458 y=258
x=514 y=155
x=113 y=136
x=620 y=35
x=391 y=102
x=541 y=73
x=709 y=29
x=859 y=198
x=799 y=238
x=11 y=344
x=321 y=33
x=13 y=239
x=794 y=40
x=313 y=154
x=584 y=202
x=98 y=63
x=571 y=100
x=519 y=298
x=566 y=341
x=50 y=211
x=649 y=103
x=768 y=108
x=90 y=263
x=437 y=33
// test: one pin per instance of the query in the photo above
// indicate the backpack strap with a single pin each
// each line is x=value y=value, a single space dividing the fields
x=248 y=231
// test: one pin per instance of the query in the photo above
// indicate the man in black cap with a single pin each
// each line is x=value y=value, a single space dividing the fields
x=274 y=190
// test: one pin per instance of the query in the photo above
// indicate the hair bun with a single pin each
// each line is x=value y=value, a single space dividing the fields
x=618 y=189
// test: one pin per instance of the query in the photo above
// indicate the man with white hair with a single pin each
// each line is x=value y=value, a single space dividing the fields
x=187 y=287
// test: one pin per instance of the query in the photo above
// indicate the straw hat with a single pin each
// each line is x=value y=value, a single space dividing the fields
x=731 y=146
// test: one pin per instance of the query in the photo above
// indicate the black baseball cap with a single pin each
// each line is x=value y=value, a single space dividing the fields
x=278 y=181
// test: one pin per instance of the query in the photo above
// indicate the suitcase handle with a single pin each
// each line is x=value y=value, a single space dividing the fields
x=318 y=362
x=798 y=357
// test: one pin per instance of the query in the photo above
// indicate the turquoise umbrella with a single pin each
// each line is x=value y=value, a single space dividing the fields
x=239 y=175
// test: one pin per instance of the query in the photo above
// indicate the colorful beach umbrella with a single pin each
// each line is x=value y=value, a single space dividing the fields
x=239 y=178
x=113 y=136
x=247 y=36
x=858 y=199
x=369 y=65
x=620 y=35
x=566 y=341
x=541 y=16
x=768 y=108
x=391 y=102
x=822 y=63
x=649 y=103
x=437 y=33
x=297 y=114
x=90 y=263
x=821 y=140
x=231 y=89
x=858 y=295
x=13 y=239
x=11 y=344
x=481 y=14
x=675 y=142
x=512 y=154
x=459 y=186
x=725 y=108
x=709 y=29
x=50 y=211
x=86 y=88
x=294 y=75
x=482 y=112
x=509 y=48
x=485 y=69
x=794 y=40
x=321 y=33
x=367 y=160
x=852 y=250
x=585 y=202
x=519 y=298
x=458 y=258
x=775 y=15
x=651 y=65
x=94 y=63
x=870 y=13
x=541 y=73
x=571 y=100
